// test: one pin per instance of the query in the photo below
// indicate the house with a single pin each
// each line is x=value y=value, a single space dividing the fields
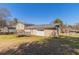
x=21 y=26
x=38 y=30
x=8 y=30
x=21 y=30
x=41 y=30
x=12 y=29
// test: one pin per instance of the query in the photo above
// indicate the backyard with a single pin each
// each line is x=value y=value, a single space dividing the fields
x=12 y=41
x=37 y=45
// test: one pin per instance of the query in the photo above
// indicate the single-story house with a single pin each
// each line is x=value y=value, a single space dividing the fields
x=12 y=29
x=41 y=30
x=8 y=30
x=38 y=30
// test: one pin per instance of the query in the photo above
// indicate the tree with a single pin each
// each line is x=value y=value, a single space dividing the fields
x=58 y=22
x=58 y=25
x=76 y=26
x=15 y=21
x=4 y=14
x=2 y=23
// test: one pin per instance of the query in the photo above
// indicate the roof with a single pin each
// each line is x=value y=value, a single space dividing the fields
x=44 y=26
x=26 y=24
x=11 y=27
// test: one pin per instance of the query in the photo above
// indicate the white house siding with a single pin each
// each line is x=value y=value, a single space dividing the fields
x=12 y=30
x=28 y=32
x=20 y=26
x=45 y=32
x=33 y=32
x=5 y=29
x=48 y=32
x=40 y=33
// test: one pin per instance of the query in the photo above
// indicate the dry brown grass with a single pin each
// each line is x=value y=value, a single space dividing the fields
x=36 y=45
x=12 y=42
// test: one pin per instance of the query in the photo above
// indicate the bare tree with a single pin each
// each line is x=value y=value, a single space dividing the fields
x=77 y=26
x=4 y=14
x=15 y=21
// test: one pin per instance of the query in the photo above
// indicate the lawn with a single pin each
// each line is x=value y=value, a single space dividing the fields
x=12 y=41
x=20 y=39
x=37 y=45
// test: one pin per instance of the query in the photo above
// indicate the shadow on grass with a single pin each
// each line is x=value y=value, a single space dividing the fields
x=50 y=46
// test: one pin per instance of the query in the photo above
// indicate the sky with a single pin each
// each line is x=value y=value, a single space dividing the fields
x=44 y=13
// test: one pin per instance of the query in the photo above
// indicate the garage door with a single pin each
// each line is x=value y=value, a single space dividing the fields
x=40 y=33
